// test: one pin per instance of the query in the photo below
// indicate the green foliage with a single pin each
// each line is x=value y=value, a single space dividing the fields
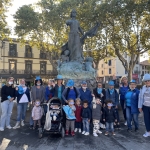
x=4 y=30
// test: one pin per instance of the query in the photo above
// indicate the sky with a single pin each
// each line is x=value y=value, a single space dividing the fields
x=15 y=5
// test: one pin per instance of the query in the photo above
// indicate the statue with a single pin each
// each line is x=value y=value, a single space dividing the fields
x=72 y=64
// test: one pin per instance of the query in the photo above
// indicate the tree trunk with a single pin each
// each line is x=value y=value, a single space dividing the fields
x=130 y=72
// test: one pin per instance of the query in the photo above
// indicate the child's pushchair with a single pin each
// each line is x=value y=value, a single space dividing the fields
x=53 y=118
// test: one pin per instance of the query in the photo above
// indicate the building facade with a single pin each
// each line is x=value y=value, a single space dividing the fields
x=23 y=61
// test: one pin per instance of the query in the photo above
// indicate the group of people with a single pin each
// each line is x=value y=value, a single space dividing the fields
x=82 y=107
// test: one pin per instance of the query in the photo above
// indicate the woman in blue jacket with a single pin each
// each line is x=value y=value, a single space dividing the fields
x=132 y=111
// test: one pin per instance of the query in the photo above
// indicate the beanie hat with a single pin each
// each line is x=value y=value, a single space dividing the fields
x=38 y=78
x=132 y=81
x=111 y=83
x=146 y=77
x=70 y=83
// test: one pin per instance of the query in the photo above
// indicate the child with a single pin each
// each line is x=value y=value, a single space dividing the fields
x=113 y=95
x=37 y=113
x=86 y=116
x=78 y=112
x=96 y=115
x=109 y=117
x=70 y=116
x=54 y=111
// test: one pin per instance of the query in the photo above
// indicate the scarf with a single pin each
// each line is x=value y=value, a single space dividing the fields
x=111 y=91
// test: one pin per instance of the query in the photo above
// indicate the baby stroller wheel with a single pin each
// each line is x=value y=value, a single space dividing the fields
x=40 y=133
x=62 y=132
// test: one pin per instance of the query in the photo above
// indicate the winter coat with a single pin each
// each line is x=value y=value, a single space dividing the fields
x=96 y=110
x=114 y=97
x=78 y=113
x=86 y=113
x=19 y=96
x=87 y=95
x=55 y=90
x=41 y=93
x=109 y=115
x=122 y=92
x=7 y=91
x=66 y=92
x=134 y=101
x=69 y=111
x=37 y=112
x=49 y=93
x=102 y=98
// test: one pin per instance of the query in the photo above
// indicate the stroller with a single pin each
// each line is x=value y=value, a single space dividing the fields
x=53 y=118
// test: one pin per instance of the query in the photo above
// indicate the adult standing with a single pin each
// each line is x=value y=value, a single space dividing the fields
x=7 y=98
x=144 y=103
x=124 y=87
x=58 y=88
x=100 y=93
x=49 y=92
x=131 y=103
x=37 y=93
x=70 y=92
x=23 y=98
x=86 y=94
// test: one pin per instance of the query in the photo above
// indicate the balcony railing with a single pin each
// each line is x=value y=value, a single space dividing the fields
x=28 y=55
x=12 y=54
x=43 y=56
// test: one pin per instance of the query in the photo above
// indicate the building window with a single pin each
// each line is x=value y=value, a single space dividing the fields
x=43 y=67
x=102 y=72
x=143 y=67
x=12 y=50
x=28 y=67
x=42 y=55
x=28 y=51
x=109 y=70
x=143 y=73
x=109 y=63
x=12 y=66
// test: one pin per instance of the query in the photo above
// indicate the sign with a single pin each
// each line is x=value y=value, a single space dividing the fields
x=135 y=76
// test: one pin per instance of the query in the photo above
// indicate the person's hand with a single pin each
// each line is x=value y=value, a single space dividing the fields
x=116 y=107
x=89 y=120
x=11 y=99
x=17 y=88
x=115 y=120
x=103 y=119
x=93 y=95
x=66 y=101
x=140 y=110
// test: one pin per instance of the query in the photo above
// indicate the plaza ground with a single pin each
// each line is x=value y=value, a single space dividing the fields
x=26 y=139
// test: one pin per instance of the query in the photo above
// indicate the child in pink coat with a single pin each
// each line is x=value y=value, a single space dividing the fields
x=37 y=113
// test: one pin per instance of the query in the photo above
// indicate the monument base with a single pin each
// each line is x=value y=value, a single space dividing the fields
x=76 y=70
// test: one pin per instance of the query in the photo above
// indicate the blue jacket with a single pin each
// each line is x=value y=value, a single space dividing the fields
x=134 y=101
x=49 y=93
x=122 y=92
x=27 y=92
x=69 y=112
x=114 y=97
x=87 y=95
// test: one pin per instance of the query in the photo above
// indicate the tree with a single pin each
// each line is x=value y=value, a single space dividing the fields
x=127 y=24
x=4 y=30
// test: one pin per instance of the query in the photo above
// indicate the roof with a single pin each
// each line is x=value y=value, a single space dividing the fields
x=146 y=63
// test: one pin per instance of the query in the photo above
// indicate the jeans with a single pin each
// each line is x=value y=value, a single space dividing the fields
x=85 y=122
x=21 y=111
x=6 y=107
x=110 y=126
x=122 y=103
x=78 y=125
x=146 y=112
x=131 y=117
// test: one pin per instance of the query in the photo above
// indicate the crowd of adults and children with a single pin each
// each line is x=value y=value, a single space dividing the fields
x=83 y=109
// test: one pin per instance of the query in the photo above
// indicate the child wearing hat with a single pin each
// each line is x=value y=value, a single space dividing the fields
x=112 y=94
x=131 y=105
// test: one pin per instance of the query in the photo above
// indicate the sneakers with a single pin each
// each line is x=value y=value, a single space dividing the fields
x=125 y=123
x=67 y=133
x=22 y=123
x=146 y=134
x=99 y=131
x=17 y=125
x=113 y=133
x=129 y=130
x=86 y=133
x=72 y=133
x=75 y=130
x=31 y=127
x=95 y=134
x=9 y=127
x=79 y=130
x=106 y=133
x=83 y=132
x=1 y=129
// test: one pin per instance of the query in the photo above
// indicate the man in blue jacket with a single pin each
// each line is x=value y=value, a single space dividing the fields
x=132 y=111
x=85 y=93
